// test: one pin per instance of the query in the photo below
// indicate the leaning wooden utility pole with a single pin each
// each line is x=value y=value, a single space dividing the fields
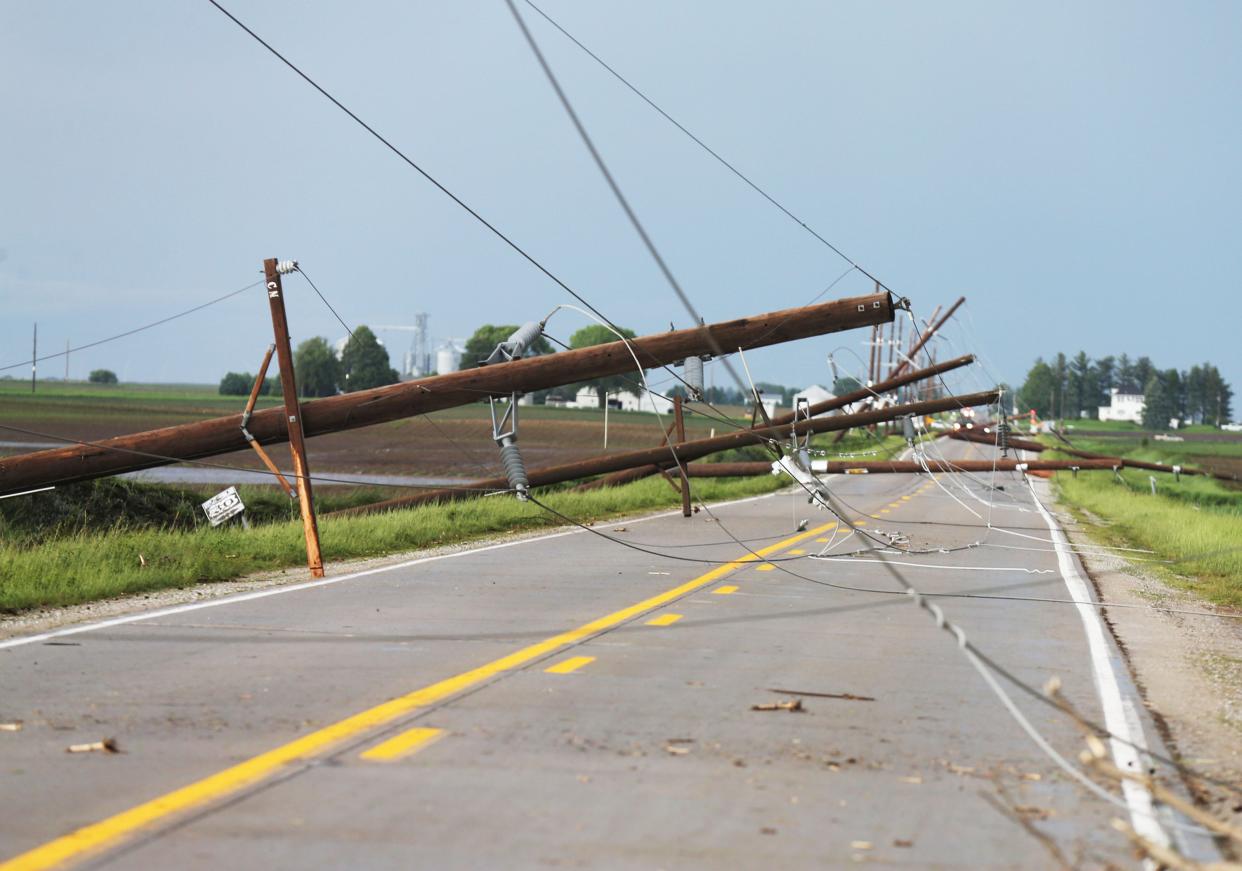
x=816 y=408
x=685 y=452
x=927 y=336
x=293 y=414
x=191 y=441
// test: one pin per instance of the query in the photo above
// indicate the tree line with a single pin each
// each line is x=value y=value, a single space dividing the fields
x=363 y=364
x=1076 y=387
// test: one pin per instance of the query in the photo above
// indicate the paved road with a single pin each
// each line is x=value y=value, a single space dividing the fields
x=570 y=702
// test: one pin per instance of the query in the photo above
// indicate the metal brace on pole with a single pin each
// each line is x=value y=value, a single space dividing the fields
x=504 y=432
x=679 y=420
x=290 y=491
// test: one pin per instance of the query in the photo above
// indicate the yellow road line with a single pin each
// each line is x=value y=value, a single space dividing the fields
x=884 y=510
x=894 y=505
x=664 y=620
x=821 y=540
x=111 y=831
x=765 y=567
x=906 y=498
x=572 y=664
x=409 y=741
x=797 y=551
x=725 y=590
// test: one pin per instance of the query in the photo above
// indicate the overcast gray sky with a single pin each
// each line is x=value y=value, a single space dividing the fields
x=1073 y=169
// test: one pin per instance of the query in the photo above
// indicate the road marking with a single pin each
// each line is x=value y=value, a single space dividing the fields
x=405 y=744
x=310 y=585
x=664 y=620
x=797 y=551
x=97 y=837
x=569 y=665
x=906 y=498
x=766 y=567
x=821 y=541
x=860 y=522
x=1120 y=718
x=725 y=590
x=884 y=510
x=894 y=505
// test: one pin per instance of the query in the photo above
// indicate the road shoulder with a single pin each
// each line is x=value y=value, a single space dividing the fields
x=1188 y=668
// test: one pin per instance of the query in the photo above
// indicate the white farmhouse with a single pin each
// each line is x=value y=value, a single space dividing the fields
x=1123 y=406
x=813 y=395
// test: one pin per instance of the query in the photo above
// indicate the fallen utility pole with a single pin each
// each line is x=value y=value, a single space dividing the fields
x=1123 y=462
x=927 y=336
x=685 y=452
x=879 y=467
x=627 y=476
x=209 y=438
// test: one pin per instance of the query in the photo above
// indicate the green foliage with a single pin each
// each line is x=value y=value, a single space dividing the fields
x=102 y=376
x=1039 y=390
x=317 y=369
x=596 y=334
x=364 y=362
x=1159 y=399
x=487 y=337
x=87 y=566
x=239 y=384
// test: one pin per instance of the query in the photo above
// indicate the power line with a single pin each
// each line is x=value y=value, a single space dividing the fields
x=620 y=196
x=404 y=157
x=703 y=145
x=137 y=329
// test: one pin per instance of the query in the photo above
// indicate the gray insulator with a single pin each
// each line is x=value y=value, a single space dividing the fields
x=692 y=371
x=1002 y=435
x=515 y=469
x=907 y=428
x=525 y=336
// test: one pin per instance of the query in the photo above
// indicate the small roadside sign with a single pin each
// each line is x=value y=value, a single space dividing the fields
x=223 y=505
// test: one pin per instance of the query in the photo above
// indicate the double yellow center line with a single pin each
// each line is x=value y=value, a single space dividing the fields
x=97 y=837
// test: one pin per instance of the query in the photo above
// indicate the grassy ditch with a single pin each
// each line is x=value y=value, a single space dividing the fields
x=75 y=562
x=1195 y=523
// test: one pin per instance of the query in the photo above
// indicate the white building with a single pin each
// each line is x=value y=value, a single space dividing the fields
x=588 y=397
x=1123 y=406
x=813 y=395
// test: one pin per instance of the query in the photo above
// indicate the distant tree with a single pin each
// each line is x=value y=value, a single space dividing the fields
x=239 y=384
x=1217 y=397
x=1158 y=403
x=364 y=362
x=845 y=385
x=318 y=371
x=485 y=339
x=1039 y=390
x=595 y=334
x=1060 y=374
x=1126 y=381
x=1143 y=370
x=101 y=376
x=1079 y=384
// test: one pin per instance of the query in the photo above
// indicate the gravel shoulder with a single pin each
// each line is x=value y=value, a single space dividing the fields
x=1187 y=667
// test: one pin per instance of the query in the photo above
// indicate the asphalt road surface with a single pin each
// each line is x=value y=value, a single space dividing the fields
x=566 y=701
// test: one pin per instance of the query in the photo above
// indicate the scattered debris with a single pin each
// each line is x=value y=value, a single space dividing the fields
x=107 y=745
x=15 y=726
x=793 y=706
x=1032 y=812
x=902 y=842
x=620 y=529
x=142 y=561
x=767 y=830
x=860 y=845
x=914 y=778
x=1032 y=775
x=676 y=751
x=849 y=697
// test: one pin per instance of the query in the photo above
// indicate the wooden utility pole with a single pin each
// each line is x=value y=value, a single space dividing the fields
x=293 y=415
x=191 y=441
x=679 y=420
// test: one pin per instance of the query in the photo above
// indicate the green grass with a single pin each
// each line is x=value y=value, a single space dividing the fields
x=1195 y=522
x=84 y=565
x=1183 y=523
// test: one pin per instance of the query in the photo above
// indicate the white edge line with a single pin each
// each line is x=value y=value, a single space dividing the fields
x=1120 y=718
x=310 y=585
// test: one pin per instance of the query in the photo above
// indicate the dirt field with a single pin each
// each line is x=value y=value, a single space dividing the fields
x=452 y=443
